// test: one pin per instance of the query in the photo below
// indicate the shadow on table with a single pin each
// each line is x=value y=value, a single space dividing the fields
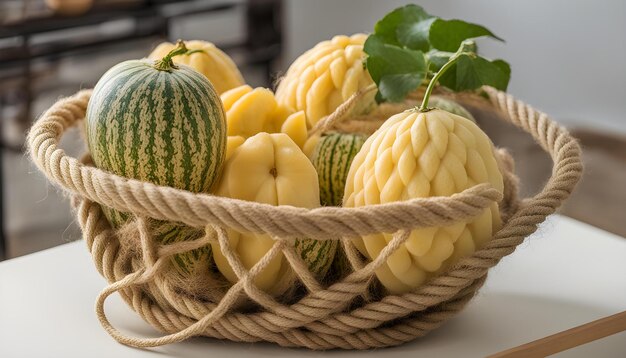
x=490 y=324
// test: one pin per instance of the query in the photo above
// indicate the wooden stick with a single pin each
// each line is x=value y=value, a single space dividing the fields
x=570 y=338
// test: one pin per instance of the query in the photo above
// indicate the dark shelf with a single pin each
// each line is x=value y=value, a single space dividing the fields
x=149 y=21
x=21 y=63
x=51 y=22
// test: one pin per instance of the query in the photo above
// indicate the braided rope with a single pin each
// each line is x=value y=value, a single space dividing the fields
x=322 y=319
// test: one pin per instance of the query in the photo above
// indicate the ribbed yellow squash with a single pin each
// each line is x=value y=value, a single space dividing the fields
x=415 y=155
x=271 y=169
x=250 y=111
x=212 y=62
x=325 y=76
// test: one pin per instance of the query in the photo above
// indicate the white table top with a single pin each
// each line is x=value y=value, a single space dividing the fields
x=567 y=274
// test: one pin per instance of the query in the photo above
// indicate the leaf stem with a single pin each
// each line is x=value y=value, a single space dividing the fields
x=166 y=63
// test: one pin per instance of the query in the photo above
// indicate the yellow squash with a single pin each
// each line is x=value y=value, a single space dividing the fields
x=212 y=62
x=417 y=155
x=325 y=76
x=271 y=169
x=69 y=7
x=250 y=111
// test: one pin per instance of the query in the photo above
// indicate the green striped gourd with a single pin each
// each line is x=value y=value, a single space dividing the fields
x=158 y=122
x=331 y=158
x=318 y=255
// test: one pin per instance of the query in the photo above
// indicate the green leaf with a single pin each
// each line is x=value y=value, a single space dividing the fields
x=436 y=59
x=409 y=45
x=415 y=35
x=395 y=88
x=470 y=73
x=395 y=70
x=503 y=66
x=447 y=35
x=387 y=28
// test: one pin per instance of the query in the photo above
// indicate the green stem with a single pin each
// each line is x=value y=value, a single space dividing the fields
x=424 y=106
x=467 y=48
x=166 y=63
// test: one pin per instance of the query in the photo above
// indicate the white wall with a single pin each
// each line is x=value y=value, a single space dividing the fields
x=568 y=56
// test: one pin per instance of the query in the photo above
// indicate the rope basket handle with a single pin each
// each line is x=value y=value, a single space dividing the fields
x=199 y=210
x=327 y=123
x=154 y=262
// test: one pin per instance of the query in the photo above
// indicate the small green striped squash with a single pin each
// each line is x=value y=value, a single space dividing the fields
x=167 y=127
x=317 y=254
x=195 y=262
x=192 y=263
x=332 y=158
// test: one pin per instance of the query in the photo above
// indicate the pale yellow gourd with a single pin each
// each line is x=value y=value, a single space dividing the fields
x=69 y=7
x=418 y=155
x=250 y=111
x=271 y=169
x=212 y=62
x=326 y=76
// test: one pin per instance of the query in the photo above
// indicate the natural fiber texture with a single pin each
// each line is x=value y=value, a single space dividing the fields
x=343 y=315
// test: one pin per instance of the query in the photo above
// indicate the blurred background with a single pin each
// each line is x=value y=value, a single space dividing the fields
x=567 y=59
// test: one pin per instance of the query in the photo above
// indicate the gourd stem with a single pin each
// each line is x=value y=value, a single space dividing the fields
x=431 y=85
x=166 y=63
x=467 y=48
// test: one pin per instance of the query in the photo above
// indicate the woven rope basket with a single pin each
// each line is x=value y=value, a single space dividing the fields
x=340 y=314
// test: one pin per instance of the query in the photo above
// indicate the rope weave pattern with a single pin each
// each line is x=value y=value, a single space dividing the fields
x=323 y=318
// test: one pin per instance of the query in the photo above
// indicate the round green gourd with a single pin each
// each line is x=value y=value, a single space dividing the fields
x=158 y=122
x=331 y=158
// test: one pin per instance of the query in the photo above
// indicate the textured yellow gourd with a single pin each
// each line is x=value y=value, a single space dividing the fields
x=212 y=62
x=325 y=76
x=418 y=155
x=250 y=111
x=271 y=169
